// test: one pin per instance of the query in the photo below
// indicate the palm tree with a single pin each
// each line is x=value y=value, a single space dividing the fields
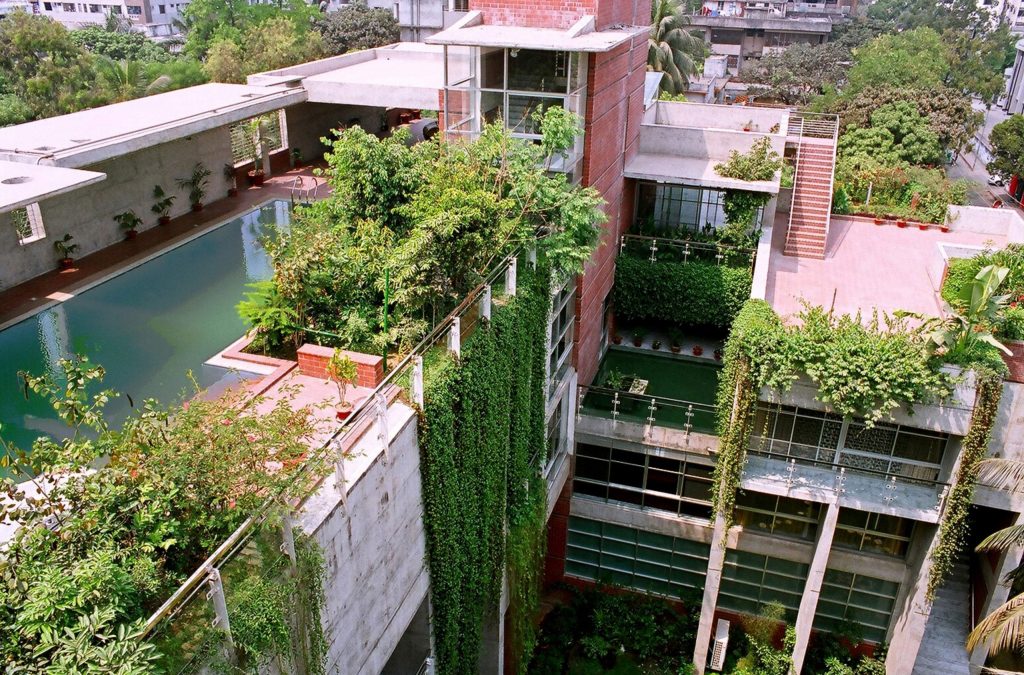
x=671 y=49
x=125 y=80
x=1004 y=627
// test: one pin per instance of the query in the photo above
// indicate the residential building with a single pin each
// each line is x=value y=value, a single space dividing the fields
x=156 y=18
x=836 y=518
x=1014 y=103
x=741 y=30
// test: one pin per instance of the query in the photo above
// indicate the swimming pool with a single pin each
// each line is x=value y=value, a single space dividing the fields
x=148 y=326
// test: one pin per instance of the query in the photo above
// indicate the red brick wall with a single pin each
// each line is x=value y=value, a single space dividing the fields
x=615 y=88
x=558 y=532
x=313 y=362
x=562 y=13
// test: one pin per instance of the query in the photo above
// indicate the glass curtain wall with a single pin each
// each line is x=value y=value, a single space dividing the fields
x=484 y=85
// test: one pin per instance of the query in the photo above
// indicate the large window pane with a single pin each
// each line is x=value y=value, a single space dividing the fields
x=536 y=70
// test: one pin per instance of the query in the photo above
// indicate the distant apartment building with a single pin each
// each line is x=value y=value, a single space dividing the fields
x=9 y=6
x=156 y=18
x=745 y=29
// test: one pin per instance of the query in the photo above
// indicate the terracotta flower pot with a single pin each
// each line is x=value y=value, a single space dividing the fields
x=67 y=263
x=638 y=342
x=131 y=234
x=198 y=206
x=256 y=178
x=676 y=348
x=879 y=221
x=163 y=220
x=901 y=223
x=923 y=227
x=343 y=413
x=697 y=350
x=718 y=355
x=617 y=339
x=944 y=228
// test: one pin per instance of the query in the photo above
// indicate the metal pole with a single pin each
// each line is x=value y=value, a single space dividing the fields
x=387 y=298
x=417 y=380
x=455 y=337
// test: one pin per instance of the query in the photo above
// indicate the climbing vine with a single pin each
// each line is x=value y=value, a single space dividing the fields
x=482 y=437
x=988 y=392
x=863 y=369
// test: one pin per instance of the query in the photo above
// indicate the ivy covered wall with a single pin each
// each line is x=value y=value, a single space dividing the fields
x=484 y=503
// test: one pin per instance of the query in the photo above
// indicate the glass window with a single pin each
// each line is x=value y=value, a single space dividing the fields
x=28 y=224
x=873 y=533
x=492 y=68
x=780 y=516
x=750 y=581
x=537 y=70
x=854 y=597
x=635 y=558
x=667 y=484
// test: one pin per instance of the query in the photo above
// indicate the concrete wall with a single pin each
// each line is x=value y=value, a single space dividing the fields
x=729 y=117
x=309 y=122
x=374 y=548
x=88 y=213
x=701 y=143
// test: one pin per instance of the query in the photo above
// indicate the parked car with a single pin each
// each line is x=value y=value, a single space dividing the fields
x=995 y=181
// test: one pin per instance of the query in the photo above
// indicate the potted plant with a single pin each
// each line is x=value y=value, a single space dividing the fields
x=879 y=220
x=229 y=176
x=675 y=341
x=638 y=337
x=65 y=249
x=162 y=204
x=342 y=370
x=900 y=221
x=656 y=344
x=255 y=130
x=698 y=350
x=718 y=354
x=617 y=339
x=296 y=158
x=749 y=126
x=130 y=222
x=922 y=226
x=196 y=185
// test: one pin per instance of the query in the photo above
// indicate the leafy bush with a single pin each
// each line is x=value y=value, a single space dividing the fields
x=760 y=163
x=693 y=294
x=356 y=26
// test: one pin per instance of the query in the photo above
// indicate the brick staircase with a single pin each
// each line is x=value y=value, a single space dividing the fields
x=812 y=187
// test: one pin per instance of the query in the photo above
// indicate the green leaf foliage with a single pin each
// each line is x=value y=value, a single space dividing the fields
x=693 y=294
x=962 y=272
x=482 y=439
x=1007 y=140
x=760 y=163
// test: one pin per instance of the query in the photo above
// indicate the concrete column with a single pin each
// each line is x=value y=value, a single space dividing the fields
x=492 y=647
x=713 y=581
x=908 y=629
x=1008 y=561
x=812 y=589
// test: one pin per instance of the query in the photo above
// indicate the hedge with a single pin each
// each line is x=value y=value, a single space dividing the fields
x=692 y=294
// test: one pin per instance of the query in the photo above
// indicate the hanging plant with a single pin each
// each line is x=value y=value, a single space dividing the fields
x=953 y=531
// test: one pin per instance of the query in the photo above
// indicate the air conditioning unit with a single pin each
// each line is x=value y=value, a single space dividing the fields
x=721 y=644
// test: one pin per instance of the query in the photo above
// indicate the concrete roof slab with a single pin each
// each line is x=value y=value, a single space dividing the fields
x=23 y=184
x=695 y=171
x=90 y=136
x=523 y=37
x=391 y=79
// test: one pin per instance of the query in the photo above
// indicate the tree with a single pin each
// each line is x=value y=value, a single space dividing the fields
x=224 y=62
x=898 y=133
x=1004 y=627
x=798 y=73
x=119 y=46
x=671 y=49
x=949 y=113
x=962 y=16
x=125 y=80
x=913 y=59
x=356 y=26
x=277 y=43
x=1007 y=139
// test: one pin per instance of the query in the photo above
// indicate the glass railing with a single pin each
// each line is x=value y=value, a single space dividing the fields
x=648 y=410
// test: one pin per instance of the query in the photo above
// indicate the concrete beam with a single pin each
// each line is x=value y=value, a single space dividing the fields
x=812 y=588
x=712 y=582
x=1008 y=561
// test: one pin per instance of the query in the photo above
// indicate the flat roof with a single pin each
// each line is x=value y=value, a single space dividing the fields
x=802 y=24
x=393 y=78
x=90 y=136
x=696 y=171
x=872 y=267
x=23 y=184
x=470 y=31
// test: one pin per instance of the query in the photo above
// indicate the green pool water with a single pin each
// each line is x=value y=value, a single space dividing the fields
x=668 y=376
x=149 y=327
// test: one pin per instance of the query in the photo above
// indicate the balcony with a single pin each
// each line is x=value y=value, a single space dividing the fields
x=849 y=486
x=653 y=397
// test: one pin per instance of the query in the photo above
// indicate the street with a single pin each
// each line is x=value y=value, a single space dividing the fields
x=971 y=165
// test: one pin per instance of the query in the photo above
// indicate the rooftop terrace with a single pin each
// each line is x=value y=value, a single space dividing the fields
x=868 y=267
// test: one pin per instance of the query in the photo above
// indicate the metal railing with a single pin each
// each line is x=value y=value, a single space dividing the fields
x=648 y=410
x=193 y=626
x=888 y=482
x=805 y=125
x=684 y=250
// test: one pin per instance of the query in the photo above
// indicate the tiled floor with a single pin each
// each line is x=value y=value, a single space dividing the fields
x=866 y=267
x=54 y=286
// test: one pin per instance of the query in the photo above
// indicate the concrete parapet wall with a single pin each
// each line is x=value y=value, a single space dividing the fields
x=88 y=213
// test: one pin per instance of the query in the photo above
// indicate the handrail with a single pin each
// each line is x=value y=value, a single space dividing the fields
x=812 y=125
x=685 y=246
x=852 y=469
x=229 y=546
x=677 y=402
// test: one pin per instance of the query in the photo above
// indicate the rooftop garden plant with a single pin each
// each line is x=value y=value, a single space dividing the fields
x=962 y=272
x=760 y=163
x=99 y=549
x=417 y=227
x=196 y=184
x=162 y=203
x=130 y=221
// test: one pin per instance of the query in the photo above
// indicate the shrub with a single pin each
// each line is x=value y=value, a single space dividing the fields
x=693 y=294
x=758 y=164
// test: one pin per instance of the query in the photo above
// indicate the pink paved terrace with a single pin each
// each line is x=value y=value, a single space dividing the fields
x=866 y=267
